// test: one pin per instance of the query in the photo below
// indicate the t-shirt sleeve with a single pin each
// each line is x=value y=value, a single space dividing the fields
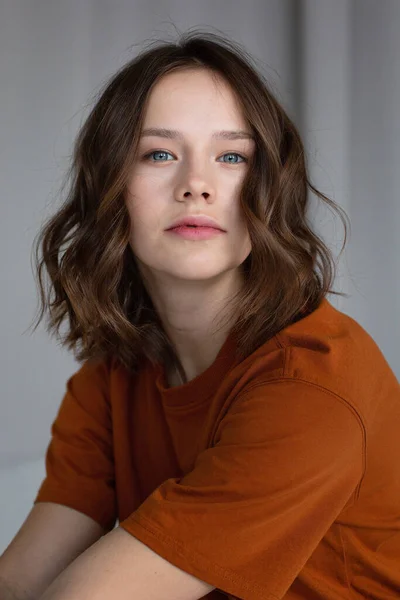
x=79 y=458
x=285 y=460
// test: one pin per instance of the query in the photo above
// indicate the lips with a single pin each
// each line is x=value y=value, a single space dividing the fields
x=196 y=221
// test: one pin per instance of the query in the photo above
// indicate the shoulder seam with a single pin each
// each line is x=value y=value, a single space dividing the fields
x=346 y=403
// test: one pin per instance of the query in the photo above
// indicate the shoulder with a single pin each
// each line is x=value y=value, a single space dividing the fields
x=324 y=359
x=327 y=349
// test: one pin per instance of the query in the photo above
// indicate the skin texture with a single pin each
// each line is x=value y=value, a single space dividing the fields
x=120 y=567
x=189 y=281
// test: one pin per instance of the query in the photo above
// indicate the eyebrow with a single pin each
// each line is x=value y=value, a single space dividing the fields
x=173 y=134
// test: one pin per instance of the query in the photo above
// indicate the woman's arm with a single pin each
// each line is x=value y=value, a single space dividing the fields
x=50 y=538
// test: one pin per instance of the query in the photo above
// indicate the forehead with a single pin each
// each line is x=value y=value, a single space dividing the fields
x=194 y=93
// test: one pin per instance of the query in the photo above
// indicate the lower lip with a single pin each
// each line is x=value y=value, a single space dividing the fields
x=195 y=233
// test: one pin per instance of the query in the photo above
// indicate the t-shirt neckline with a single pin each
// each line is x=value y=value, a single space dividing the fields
x=201 y=387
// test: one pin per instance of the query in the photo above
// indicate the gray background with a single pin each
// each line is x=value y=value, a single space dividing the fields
x=334 y=65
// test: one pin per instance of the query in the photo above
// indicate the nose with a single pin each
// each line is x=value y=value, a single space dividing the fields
x=195 y=188
x=204 y=194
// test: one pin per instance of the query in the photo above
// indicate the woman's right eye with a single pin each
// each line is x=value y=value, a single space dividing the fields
x=156 y=152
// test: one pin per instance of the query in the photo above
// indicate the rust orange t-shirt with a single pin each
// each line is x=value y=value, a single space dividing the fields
x=277 y=476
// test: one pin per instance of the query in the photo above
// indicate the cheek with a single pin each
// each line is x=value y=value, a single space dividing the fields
x=146 y=192
x=145 y=222
x=139 y=186
x=139 y=199
x=244 y=235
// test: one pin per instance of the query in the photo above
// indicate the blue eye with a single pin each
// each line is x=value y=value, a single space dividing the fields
x=156 y=152
x=235 y=154
x=150 y=154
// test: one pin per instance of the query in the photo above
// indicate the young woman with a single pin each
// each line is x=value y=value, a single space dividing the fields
x=241 y=430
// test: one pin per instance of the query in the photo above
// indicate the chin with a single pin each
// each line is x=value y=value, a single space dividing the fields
x=202 y=273
x=197 y=275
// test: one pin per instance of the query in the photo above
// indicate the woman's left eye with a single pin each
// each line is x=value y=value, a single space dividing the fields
x=230 y=154
x=235 y=154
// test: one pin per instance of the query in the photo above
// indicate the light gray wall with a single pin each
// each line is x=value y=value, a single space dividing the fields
x=334 y=65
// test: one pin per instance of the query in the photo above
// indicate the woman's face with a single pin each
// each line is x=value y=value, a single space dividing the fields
x=193 y=173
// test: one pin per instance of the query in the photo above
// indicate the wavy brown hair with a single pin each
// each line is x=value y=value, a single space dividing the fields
x=85 y=244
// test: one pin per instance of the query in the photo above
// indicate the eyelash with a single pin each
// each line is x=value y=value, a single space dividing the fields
x=147 y=156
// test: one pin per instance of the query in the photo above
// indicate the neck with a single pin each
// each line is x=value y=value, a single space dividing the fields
x=196 y=318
